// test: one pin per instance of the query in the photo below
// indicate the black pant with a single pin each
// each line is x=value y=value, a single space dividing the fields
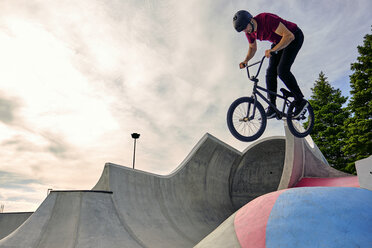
x=280 y=65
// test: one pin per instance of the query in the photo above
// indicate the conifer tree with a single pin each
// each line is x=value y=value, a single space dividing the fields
x=359 y=126
x=329 y=132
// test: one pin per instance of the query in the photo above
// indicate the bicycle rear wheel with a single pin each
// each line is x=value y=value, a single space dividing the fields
x=302 y=125
x=244 y=123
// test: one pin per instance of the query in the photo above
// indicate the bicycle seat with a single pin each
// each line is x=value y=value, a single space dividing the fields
x=286 y=93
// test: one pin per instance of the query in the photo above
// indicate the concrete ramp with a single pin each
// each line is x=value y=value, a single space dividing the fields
x=259 y=171
x=11 y=221
x=179 y=209
x=131 y=208
x=144 y=210
x=303 y=159
x=73 y=219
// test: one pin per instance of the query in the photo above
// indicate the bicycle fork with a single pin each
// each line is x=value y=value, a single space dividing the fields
x=247 y=117
x=254 y=108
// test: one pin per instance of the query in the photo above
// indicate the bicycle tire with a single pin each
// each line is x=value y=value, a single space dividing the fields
x=302 y=126
x=246 y=130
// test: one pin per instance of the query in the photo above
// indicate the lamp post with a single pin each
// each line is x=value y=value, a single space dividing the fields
x=135 y=136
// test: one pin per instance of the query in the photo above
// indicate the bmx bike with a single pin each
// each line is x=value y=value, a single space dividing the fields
x=246 y=117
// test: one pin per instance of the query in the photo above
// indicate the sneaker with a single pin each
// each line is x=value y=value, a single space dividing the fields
x=300 y=106
x=270 y=113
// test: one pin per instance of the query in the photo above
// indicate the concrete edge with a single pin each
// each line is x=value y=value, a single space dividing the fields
x=261 y=141
x=200 y=143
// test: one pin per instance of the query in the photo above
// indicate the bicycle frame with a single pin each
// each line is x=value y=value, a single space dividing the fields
x=256 y=91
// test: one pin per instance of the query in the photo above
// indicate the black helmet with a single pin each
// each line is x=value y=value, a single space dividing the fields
x=241 y=20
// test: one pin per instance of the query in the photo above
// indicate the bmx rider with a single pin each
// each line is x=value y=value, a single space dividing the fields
x=286 y=38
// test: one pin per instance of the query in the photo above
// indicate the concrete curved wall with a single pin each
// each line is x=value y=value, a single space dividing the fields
x=180 y=209
x=259 y=170
x=11 y=221
x=72 y=219
x=213 y=182
x=304 y=159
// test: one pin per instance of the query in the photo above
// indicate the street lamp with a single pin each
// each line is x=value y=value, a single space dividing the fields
x=135 y=136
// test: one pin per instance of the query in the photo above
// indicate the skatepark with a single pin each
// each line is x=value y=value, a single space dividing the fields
x=279 y=192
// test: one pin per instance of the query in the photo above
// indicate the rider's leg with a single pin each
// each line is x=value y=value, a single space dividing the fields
x=272 y=83
x=272 y=75
x=285 y=63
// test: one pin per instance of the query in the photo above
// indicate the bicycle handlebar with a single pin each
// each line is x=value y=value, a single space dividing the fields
x=259 y=68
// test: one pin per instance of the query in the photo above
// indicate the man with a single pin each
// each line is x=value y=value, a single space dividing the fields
x=286 y=38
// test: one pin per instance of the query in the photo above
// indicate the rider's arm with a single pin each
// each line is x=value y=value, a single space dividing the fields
x=251 y=52
x=287 y=38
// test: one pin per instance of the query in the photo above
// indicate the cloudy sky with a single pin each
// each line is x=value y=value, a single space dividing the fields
x=78 y=77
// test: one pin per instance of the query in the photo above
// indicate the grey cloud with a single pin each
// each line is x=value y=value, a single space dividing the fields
x=20 y=144
x=58 y=148
x=145 y=117
x=55 y=145
x=15 y=181
x=8 y=109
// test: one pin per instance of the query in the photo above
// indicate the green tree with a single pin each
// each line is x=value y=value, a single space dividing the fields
x=359 y=126
x=329 y=132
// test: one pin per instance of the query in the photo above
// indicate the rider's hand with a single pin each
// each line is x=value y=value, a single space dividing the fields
x=243 y=65
x=268 y=53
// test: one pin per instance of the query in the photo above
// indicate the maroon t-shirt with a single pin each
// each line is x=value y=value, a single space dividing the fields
x=267 y=23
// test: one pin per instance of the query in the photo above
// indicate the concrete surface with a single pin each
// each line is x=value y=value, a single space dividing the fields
x=329 y=217
x=303 y=159
x=214 y=181
x=72 y=219
x=364 y=171
x=11 y=221
x=223 y=237
x=176 y=210
x=299 y=217
x=259 y=171
x=349 y=181
x=179 y=209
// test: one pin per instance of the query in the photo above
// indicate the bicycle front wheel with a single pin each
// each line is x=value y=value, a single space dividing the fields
x=246 y=121
x=302 y=125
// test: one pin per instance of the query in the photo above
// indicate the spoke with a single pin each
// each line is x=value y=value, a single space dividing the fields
x=241 y=110
x=250 y=127
x=240 y=121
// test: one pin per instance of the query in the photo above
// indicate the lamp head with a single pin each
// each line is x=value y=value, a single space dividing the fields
x=135 y=135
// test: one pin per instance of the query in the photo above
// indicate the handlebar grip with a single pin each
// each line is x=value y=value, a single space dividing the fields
x=274 y=53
